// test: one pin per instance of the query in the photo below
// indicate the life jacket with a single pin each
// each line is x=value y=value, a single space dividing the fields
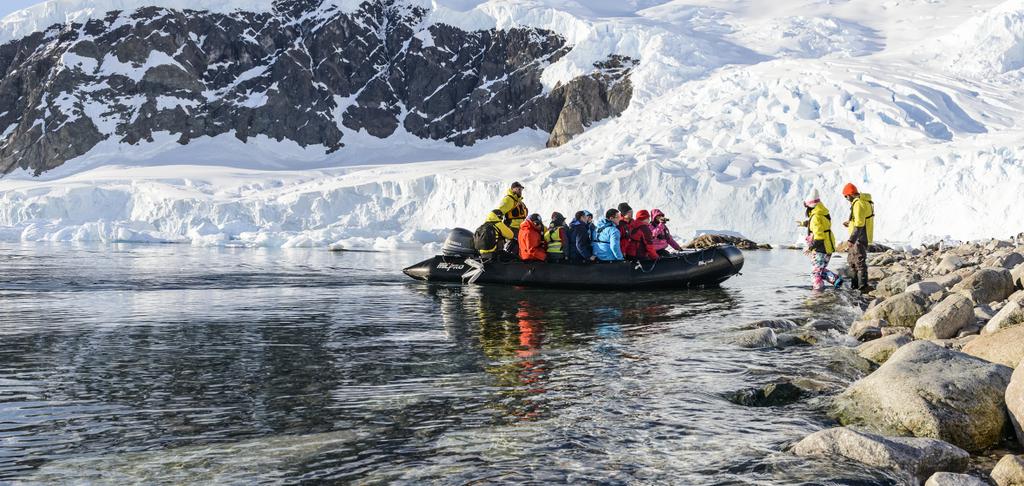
x=820 y=228
x=862 y=215
x=626 y=243
x=531 y=242
x=643 y=239
x=553 y=238
x=487 y=237
x=514 y=209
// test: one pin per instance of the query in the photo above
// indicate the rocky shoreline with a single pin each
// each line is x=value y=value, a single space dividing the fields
x=942 y=402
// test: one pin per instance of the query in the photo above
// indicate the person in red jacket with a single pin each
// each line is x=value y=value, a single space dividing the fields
x=641 y=233
x=531 y=240
x=625 y=243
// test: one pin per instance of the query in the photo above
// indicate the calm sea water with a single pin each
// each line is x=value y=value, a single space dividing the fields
x=169 y=364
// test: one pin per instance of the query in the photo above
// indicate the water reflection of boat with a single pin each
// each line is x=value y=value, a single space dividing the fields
x=698 y=268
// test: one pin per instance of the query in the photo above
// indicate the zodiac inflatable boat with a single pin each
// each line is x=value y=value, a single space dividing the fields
x=696 y=268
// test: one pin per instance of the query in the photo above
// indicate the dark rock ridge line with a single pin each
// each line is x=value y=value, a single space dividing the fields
x=298 y=73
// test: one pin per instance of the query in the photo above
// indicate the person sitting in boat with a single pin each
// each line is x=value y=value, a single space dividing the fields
x=605 y=238
x=662 y=236
x=556 y=239
x=513 y=212
x=580 y=250
x=642 y=235
x=531 y=239
x=489 y=239
x=626 y=215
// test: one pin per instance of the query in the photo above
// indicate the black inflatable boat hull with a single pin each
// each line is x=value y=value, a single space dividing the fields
x=699 y=268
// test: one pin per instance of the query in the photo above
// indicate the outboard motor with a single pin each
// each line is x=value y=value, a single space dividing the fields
x=459 y=244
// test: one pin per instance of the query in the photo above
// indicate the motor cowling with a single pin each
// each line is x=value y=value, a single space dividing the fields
x=459 y=243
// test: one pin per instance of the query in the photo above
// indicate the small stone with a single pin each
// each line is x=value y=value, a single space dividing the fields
x=1009 y=471
x=776 y=324
x=954 y=479
x=771 y=395
x=1010 y=314
x=864 y=331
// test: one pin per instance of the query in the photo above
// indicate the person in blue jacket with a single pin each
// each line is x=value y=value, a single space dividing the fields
x=606 y=236
x=580 y=250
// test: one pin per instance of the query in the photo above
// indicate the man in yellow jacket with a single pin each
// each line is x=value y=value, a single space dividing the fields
x=862 y=233
x=489 y=239
x=513 y=212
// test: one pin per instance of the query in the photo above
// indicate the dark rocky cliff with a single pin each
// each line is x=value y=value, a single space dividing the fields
x=299 y=73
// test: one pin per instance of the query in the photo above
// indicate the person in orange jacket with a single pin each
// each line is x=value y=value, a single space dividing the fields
x=531 y=240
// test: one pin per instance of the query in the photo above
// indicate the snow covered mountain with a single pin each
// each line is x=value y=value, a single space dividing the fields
x=729 y=113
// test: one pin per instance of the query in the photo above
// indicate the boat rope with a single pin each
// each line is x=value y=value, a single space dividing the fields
x=477 y=269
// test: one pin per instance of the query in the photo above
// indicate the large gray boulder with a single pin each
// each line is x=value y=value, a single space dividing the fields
x=946 y=319
x=895 y=284
x=948 y=264
x=927 y=288
x=901 y=310
x=1010 y=315
x=954 y=479
x=925 y=390
x=986 y=285
x=882 y=348
x=1005 y=347
x=917 y=457
x=1009 y=471
x=1017 y=275
x=1006 y=260
x=1015 y=402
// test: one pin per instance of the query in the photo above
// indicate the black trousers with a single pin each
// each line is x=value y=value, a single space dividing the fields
x=858 y=256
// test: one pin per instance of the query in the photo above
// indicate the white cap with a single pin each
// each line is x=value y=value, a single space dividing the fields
x=813 y=196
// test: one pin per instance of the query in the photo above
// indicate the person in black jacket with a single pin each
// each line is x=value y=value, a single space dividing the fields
x=580 y=250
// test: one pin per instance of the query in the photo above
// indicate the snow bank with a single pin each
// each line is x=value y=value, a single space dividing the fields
x=739 y=111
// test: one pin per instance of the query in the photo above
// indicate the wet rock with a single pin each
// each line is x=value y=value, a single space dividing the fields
x=925 y=390
x=917 y=457
x=891 y=331
x=1009 y=471
x=1005 y=347
x=954 y=479
x=796 y=338
x=845 y=361
x=900 y=310
x=946 y=319
x=865 y=333
x=986 y=285
x=1011 y=314
x=756 y=338
x=879 y=350
x=771 y=395
x=825 y=325
x=1015 y=402
x=776 y=324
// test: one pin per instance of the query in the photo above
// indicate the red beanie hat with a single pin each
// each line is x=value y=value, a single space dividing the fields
x=850 y=190
x=642 y=214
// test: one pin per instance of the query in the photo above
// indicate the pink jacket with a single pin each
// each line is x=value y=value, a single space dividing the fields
x=662 y=236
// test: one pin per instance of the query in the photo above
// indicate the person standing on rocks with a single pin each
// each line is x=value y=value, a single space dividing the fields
x=821 y=244
x=862 y=233
x=513 y=212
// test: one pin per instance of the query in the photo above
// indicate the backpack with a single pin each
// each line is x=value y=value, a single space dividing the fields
x=486 y=237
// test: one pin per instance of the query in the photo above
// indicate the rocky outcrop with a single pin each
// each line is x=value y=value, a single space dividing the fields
x=1009 y=471
x=946 y=319
x=917 y=457
x=305 y=72
x=709 y=240
x=925 y=390
x=1005 y=347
